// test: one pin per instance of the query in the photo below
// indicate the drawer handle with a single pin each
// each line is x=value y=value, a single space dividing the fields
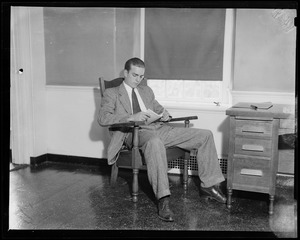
x=252 y=131
x=254 y=148
x=252 y=172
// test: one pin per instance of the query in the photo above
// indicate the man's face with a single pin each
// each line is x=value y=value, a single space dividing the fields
x=134 y=76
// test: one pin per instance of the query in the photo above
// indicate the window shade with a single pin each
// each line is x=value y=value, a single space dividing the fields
x=83 y=44
x=184 y=43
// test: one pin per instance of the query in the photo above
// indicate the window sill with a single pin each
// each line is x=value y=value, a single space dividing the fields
x=194 y=106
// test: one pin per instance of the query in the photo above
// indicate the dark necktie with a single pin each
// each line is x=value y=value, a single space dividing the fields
x=135 y=103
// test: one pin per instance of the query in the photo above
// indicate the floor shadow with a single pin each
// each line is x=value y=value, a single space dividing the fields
x=144 y=185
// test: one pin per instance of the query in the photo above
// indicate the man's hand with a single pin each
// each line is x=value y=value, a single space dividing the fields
x=140 y=116
x=166 y=116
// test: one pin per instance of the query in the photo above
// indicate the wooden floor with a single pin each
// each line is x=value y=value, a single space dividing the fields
x=65 y=198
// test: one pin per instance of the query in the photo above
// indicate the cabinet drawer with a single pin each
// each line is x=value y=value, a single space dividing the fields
x=252 y=173
x=253 y=147
x=253 y=128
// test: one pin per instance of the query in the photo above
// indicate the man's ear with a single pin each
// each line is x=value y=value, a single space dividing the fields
x=125 y=73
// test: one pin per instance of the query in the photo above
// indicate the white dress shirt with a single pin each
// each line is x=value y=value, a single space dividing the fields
x=140 y=100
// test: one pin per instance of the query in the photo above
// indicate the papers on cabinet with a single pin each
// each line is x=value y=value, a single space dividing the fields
x=255 y=106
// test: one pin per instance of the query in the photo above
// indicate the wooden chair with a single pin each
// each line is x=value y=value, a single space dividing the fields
x=133 y=158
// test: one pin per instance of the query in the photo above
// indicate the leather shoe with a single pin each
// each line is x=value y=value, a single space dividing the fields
x=215 y=193
x=164 y=211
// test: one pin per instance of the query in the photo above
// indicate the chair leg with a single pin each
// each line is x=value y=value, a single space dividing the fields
x=135 y=185
x=135 y=158
x=114 y=174
x=185 y=174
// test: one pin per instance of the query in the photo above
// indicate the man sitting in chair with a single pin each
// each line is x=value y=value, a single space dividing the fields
x=157 y=136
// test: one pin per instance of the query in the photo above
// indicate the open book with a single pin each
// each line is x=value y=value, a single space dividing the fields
x=153 y=116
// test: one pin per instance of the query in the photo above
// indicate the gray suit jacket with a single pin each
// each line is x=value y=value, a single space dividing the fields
x=116 y=108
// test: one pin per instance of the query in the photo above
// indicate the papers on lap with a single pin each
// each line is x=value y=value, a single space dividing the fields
x=153 y=116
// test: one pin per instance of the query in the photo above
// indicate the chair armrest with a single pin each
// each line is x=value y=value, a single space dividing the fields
x=125 y=124
x=139 y=123
x=183 y=118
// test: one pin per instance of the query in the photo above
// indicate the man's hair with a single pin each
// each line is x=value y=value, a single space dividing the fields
x=134 y=62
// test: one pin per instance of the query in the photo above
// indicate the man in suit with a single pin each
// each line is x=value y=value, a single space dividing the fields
x=119 y=105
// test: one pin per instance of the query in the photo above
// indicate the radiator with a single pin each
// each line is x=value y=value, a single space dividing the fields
x=176 y=166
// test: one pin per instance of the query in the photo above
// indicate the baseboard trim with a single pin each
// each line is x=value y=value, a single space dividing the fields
x=58 y=158
x=38 y=160
x=49 y=157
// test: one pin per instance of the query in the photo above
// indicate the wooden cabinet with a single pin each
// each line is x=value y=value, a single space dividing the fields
x=253 y=149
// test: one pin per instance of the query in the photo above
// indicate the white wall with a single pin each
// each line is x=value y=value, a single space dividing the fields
x=72 y=127
x=265 y=50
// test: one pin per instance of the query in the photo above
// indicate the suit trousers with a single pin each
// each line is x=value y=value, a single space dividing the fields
x=155 y=138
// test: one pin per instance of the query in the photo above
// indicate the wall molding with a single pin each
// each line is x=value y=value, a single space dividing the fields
x=70 y=159
x=58 y=158
x=28 y=101
x=22 y=91
x=38 y=160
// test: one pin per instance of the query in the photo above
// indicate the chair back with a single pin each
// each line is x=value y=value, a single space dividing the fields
x=104 y=84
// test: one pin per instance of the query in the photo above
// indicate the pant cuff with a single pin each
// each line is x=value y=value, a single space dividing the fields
x=212 y=182
x=163 y=194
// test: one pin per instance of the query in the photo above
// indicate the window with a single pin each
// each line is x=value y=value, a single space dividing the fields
x=208 y=91
x=82 y=44
x=184 y=43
